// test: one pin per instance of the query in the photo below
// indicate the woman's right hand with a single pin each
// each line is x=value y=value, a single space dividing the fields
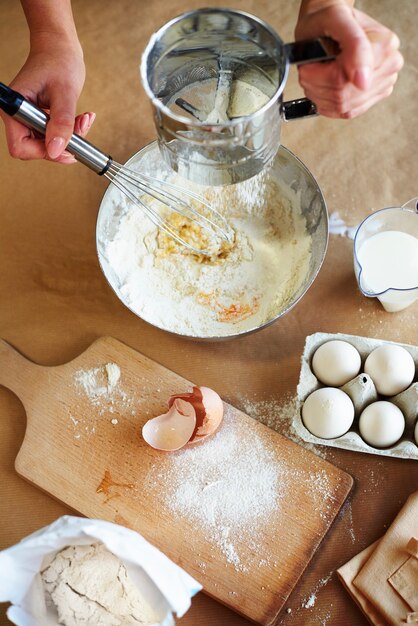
x=52 y=78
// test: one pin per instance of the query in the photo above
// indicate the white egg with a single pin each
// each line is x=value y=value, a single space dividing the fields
x=328 y=413
x=391 y=368
x=381 y=424
x=336 y=362
x=416 y=433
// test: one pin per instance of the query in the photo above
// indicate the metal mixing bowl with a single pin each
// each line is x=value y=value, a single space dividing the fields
x=286 y=168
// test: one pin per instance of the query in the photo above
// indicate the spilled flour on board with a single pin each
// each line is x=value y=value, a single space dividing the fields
x=229 y=484
x=101 y=387
x=278 y=415
x=233 y=486
x=98 y=383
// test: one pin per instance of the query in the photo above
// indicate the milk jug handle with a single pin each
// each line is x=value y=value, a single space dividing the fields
x=411 y=204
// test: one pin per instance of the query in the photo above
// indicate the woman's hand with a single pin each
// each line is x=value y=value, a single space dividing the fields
x=52 y=78
x=367 y=67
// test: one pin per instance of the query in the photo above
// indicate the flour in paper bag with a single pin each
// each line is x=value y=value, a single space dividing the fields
x=89 y=585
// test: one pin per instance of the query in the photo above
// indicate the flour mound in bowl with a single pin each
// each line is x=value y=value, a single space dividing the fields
x=241 y=286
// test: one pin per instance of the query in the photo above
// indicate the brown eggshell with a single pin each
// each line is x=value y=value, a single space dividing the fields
x=172 y=430
x=214 y=408
x=209 y=411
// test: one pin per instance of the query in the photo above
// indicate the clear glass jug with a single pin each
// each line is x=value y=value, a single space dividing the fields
x=403 y=220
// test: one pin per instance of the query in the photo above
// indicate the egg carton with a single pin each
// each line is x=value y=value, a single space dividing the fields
x=406 y=447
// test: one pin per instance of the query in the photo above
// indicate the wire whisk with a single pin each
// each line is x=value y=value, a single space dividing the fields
x=173 y=197
x=166 y=196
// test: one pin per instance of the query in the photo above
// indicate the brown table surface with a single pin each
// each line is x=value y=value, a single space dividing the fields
x=55 y=300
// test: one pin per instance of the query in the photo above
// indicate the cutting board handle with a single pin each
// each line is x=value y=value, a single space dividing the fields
x=15 y=370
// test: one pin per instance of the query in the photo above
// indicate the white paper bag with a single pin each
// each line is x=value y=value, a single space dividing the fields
x=167 y=587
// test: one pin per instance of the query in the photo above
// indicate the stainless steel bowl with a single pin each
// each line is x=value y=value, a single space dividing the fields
x=286 y=168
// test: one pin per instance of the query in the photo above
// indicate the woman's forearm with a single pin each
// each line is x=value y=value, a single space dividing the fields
x=49 y=20
x=52 y=77
x=311 y=6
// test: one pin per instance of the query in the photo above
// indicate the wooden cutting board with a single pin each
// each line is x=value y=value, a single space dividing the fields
x=243 y=512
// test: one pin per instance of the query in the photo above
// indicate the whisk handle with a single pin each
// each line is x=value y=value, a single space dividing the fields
x=15 y=105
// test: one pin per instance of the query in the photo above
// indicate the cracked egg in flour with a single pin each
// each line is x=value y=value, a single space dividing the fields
x=280 y=228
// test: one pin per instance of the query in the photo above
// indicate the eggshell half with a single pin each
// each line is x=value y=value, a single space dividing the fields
x=209 y=411
x=214 y=408
x=172 y=430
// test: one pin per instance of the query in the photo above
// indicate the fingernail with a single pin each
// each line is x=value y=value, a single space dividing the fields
x=362 y=77
x=85 y=122
x=55 y=147
x=67 y=160
x=92 y=117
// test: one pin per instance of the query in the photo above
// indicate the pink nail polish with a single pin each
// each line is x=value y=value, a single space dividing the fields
x=67 y=160
x=55 y=147
x=84 y=122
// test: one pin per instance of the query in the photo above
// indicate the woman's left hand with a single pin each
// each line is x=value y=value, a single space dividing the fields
x=365 y=70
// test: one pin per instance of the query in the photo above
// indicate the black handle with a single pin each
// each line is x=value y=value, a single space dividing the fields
x=10 y=100
x=312 y=50
x=295 y=109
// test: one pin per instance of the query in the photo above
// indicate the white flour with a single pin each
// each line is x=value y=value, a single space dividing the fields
x=216 y=101
x=308 y=603
x=238 y=489
x=101 y=387
x=337 y=226
x=98 y=382
x=174 y=290
x=236 y=99
x=89 y=585
x=233 y=486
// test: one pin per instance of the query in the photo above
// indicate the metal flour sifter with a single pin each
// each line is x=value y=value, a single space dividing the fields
x=215 y=78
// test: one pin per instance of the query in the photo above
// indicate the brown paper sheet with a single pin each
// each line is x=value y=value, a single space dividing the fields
x=389 y=557
x=54 y=300
x=387 y=598
x=405 y=582
x=347 y=574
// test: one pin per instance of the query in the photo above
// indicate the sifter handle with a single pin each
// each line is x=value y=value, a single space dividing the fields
x=312 y=50
x=15 y=105
x=301 y=53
